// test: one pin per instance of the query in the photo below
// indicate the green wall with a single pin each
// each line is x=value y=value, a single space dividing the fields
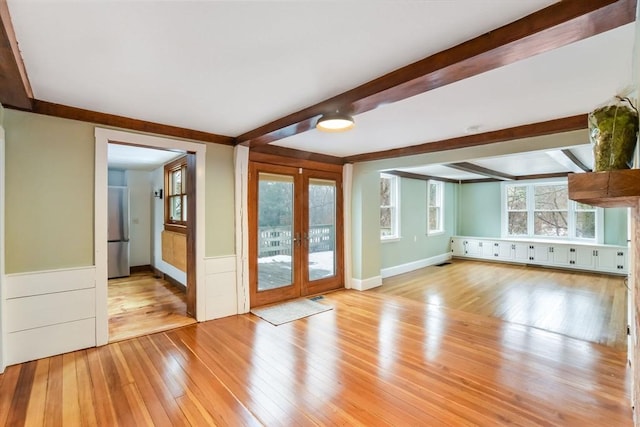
x=219 y=207
x=415 y=244
x=615 y=226
x=479 y=209
x=50 y=194
x=365 y=223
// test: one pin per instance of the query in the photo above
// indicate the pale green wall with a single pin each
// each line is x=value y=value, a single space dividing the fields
x=414 y=243
x=615 y=226
x=479 y=210
x=49 y=192
x=365 y=223
x=219 y=208
x=480 y=214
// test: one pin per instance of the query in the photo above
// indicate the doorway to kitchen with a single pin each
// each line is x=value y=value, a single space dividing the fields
x=295 y=240
x=150 y=287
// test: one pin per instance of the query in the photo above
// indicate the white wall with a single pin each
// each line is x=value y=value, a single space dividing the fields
x=157 y=226
x=140 y=201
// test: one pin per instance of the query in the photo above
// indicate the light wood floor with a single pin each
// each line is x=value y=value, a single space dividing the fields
x=591 y=307
x=373 y=360
x=142 y=304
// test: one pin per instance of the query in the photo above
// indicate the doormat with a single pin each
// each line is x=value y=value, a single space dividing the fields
x=290 y=311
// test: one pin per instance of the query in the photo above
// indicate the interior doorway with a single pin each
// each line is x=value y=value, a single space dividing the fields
x=149 y=191
x=296 y=232
x=194 y=207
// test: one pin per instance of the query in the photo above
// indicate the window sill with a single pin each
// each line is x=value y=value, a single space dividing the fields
x=435 y=233
x=390 y=239
x=175 y=228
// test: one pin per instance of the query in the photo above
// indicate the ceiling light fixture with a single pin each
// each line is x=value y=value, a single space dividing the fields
x=335 y=122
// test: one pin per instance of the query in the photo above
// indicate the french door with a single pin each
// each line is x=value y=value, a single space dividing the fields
x=295 y=239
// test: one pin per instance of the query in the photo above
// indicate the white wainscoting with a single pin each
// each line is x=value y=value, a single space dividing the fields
x=415 y=265
x=49 y=313
x=221 y=296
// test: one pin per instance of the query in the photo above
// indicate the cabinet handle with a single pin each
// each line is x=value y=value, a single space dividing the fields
x=513 y=246
x=572 y=250
x=620 y=253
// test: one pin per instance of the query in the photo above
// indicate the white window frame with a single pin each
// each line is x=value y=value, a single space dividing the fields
x=571 y=213
x=439 y=204
x=395 y=207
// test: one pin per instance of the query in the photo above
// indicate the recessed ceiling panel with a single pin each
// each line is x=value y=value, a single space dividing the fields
x=443 y=171
x=131 y=157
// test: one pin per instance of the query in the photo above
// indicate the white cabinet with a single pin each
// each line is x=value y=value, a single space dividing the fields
x=600 y=258
x=520 y=252
x=610 y=259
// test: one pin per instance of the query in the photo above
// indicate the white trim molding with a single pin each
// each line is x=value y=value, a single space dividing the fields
x=241 y=170
x=103 y=137
x=347 y=191
x=414 y=265
x=366 y=284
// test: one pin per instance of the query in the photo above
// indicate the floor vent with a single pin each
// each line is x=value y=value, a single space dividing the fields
x=442 y=264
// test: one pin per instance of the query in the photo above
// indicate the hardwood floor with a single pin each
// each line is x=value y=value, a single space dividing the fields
x=591 y=307
x=373 y=360
x=142 y=304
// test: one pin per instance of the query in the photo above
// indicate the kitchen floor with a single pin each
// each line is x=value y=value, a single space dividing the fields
x=142 y=304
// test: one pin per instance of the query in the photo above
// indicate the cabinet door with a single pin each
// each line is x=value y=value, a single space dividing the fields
x=489 y=249
x=457 y=246
x=561 y=255
x=473 y=247
x=582 y=257
x=606 y=259
x=504 y=251
x=520 y=251
x=540 y=253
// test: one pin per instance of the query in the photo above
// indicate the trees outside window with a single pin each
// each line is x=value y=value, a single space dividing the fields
x=544 y=210
x=175 y=190
x=435 y=214
x=389 y=207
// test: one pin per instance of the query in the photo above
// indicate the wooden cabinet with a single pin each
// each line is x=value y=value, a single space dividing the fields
x=600 y=258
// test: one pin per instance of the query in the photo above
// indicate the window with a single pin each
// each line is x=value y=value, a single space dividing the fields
x=435 y=195
x=543 y=210
x=389 y=207
x=175 y=189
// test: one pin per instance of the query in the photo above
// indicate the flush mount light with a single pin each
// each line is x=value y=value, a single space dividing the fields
x=335 y=122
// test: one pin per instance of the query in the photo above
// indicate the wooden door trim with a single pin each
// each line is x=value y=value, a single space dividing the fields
x=336 y=281
x=286 y=292
x=191 y=235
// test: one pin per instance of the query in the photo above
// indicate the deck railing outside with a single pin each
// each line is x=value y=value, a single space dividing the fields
x=278 y=240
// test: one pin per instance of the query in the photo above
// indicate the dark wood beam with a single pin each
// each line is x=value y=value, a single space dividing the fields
x=558 y=25
x=550 y=127
x=479 y=170
x=73 y=113
x=576 y=161
x=14 y=85
x=298 y=154
x=543 y=176
x=420 y=177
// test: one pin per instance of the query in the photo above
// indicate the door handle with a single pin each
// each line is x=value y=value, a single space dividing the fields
x=296 y=239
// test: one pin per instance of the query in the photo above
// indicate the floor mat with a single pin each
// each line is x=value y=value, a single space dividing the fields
x=290 y=311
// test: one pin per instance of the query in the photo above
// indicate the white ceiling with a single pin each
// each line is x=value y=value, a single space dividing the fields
x=227 y=67
x=121 y=156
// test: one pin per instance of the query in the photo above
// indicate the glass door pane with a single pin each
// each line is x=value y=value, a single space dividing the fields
x=275 y=231
x=321 y=233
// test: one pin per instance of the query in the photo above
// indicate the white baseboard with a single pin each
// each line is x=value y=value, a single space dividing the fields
x=365 y=284
x=415 y=265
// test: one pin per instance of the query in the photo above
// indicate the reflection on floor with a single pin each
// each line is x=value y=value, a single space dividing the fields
x=590 y=307
x=142 y=304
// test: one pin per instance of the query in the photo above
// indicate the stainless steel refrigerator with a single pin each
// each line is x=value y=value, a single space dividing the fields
x=118 y=232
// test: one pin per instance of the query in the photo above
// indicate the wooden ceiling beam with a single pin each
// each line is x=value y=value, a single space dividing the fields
x=15 y=89
x=73 y=113
x=421 y=177
x=550 y=127
x=479 y=170
x=558 y=25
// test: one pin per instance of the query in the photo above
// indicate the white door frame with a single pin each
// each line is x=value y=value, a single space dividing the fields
x=103 y=137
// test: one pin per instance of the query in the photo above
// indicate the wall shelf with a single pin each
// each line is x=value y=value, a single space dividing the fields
x=608 y=189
